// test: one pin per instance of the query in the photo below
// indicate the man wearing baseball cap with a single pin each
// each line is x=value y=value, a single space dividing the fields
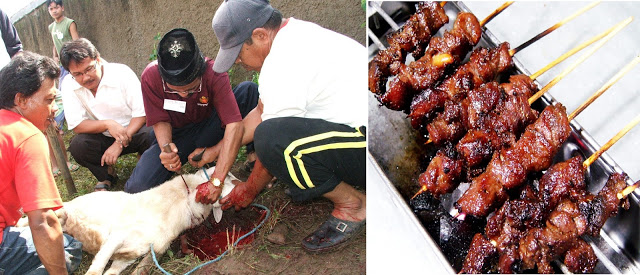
x=308 y=127
x=192 y=110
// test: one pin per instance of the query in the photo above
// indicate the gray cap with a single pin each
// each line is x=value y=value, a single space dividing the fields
x=233 y=24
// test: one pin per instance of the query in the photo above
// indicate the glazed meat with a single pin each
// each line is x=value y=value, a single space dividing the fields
x=442 y=54
x=443 y=172
x=509 y=167
x=413 y=37
x=484 y=65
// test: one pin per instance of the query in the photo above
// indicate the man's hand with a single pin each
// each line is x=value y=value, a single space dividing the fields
x=171 y=160
x=111 y=155
x=210 y=155
x=207 y=193
x=240 y=197
x=119 y=133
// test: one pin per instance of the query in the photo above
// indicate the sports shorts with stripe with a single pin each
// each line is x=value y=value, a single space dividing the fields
x=311 y=155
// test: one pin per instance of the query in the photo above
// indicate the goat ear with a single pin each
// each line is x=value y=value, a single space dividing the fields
x=217 y=214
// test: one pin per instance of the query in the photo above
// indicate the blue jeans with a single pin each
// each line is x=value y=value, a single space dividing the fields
x=149 y=172
x=18 y=253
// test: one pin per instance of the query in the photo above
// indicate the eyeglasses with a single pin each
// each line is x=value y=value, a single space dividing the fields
x=189 y=92
x=90 y=69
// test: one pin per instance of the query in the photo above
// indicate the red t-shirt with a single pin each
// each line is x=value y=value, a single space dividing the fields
x=216 y=94
x=26 y=181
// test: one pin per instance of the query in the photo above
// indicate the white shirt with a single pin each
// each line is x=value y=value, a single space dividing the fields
x=314 y=72
x=119 y=97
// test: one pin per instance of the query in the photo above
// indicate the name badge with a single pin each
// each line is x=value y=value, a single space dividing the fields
x=175 y=105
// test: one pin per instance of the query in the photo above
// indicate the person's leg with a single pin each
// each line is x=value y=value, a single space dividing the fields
x=318 y=158
x=18 y=253
x=87 y=150
x=140 y=141
x=311 y=155
x=149 y=171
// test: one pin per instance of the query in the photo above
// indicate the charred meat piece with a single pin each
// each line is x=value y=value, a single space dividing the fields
x=443 y=170
x=480 y=255
x=580 y=258
x=605 y=204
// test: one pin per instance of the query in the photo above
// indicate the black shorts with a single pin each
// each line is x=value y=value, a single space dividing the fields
x=311 y=155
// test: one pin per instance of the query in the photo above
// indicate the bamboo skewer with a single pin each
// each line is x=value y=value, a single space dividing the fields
x=495 y=12
x=552 y=28
x=625 y=192
x=608 y=34
x=611 y=142
x=606 y=86
x=575 y=50
x=582 y=58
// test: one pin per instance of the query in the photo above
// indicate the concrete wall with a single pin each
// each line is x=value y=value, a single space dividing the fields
x=124 y=30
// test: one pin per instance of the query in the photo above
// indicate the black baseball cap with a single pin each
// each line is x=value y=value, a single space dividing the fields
x=180 y=61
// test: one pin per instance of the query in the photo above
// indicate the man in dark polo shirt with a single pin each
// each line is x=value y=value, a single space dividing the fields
x=191 y=108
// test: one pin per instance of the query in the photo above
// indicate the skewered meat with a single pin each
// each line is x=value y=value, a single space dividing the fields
x=443 y=173
x=484 y=65
x=442 y=54
x=605 y=205
x=480 y=255
x=497 y=119
x=413 y=37
x=509 y=167
x=563 y=180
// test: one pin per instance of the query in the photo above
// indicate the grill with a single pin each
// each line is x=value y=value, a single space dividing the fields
x=396 y=157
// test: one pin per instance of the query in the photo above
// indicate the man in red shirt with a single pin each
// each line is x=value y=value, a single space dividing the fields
x=191 y=109
x=27 y=187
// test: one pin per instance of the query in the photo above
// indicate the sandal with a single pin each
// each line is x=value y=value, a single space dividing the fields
x=332 y=234
x=56 y=172
x=73 y=167
x=113 y=180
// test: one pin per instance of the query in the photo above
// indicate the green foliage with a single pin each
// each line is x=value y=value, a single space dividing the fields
x=255 y=77
x=154 y=54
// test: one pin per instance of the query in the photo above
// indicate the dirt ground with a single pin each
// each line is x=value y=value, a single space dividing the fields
x=298 y=220
x=294 y=220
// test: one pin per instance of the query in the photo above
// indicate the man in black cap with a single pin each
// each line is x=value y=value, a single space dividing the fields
x=192 y=110
x=309 y=122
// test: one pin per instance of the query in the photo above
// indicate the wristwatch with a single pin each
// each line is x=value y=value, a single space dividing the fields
x=217 y=183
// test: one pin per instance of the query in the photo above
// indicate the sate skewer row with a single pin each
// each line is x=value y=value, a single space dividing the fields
x=442 y=54
x=470 y=113
x=495 y=115
x=522 y=237
x=429 y=102
x=518 y=233
x=509 y=167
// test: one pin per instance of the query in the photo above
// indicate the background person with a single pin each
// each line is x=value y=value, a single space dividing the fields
x=106 y=112
x=26 y=109
x=62 y=29
x=308 y=127
x=190 y=108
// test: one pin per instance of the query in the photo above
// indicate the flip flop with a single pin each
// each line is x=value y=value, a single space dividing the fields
x=73 y=167
x=56 y=172
x=332 y=234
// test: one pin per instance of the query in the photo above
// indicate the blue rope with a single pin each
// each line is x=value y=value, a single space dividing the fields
x=226 y=251
x=205 y=172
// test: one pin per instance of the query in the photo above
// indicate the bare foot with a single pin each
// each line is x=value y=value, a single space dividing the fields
x=348 y=203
